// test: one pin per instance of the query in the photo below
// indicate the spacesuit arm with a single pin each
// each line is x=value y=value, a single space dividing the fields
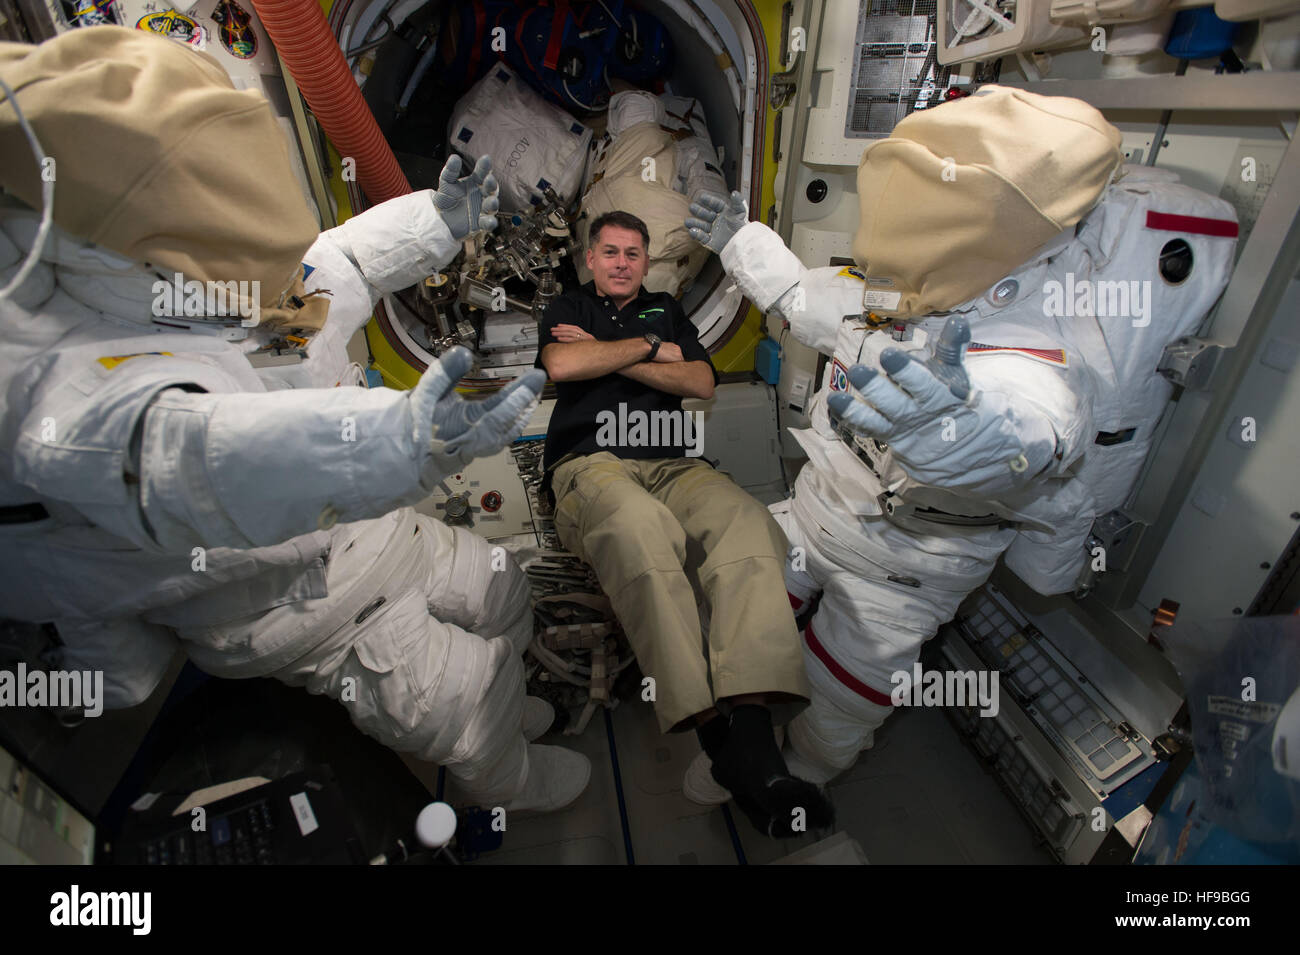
x=255 y=469
x=384 y=249
x=168 y=453
x=813 y=301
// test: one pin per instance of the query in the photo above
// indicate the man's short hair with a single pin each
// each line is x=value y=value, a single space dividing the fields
x=624 y=220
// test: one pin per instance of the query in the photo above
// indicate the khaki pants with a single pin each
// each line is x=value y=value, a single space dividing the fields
x=649 y=529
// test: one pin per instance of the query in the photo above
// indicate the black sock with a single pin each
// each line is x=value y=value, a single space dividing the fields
x=749 y=758
x=713 y=735
x=750 y=764
x=793 y=806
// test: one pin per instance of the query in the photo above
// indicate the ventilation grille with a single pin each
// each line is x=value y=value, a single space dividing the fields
x=895 y=70
x=1087 y=730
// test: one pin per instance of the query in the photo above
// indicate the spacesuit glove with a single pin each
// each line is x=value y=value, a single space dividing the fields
x=984 y=444
x=715 y=219
x=453 y=431
x=467 y=205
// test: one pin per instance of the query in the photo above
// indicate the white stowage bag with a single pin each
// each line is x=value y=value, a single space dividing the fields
x=695 y=159
x=628 y=182
x=655 y=159
x=533 y=144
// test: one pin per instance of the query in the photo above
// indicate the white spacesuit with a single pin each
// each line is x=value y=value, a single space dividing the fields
x=1011 y=212
x=159 y=492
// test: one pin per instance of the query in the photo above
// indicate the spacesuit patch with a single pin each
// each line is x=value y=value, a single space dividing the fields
x=175 y=26
x=852 y=272
x=839 y=376
x=236 y=33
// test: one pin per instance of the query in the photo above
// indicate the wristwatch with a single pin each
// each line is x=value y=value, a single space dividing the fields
x=655 y=341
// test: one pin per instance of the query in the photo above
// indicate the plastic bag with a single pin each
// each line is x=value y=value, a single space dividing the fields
x=1239 y=674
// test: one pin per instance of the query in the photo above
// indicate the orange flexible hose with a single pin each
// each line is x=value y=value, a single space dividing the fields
x=300 y=32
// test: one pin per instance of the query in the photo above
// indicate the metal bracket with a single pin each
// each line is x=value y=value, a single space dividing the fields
x=782 y=89
x=1166 y=747
x=1190 y=362
x=1113 y=532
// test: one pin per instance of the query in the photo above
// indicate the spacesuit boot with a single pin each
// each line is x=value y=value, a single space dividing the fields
x=555 y=777
x=821 y=743
x=538 y=717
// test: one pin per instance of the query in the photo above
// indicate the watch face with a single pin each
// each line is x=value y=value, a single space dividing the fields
x=652 y=338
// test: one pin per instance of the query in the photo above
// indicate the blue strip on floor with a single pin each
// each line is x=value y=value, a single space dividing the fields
x=735 y=836
x=618 y=788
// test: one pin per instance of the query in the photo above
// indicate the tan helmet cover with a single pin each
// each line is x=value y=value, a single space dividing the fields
x=157 y=157
x=963 y=193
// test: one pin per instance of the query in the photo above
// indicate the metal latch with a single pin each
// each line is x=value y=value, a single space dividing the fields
x=1190 y=362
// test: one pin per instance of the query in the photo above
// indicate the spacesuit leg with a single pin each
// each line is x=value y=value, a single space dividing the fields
x=800 y=585
x=460 y=561
x=825 y=739
x=424 y=687
x=868 y=626
x=460 y=564
x=835 y=727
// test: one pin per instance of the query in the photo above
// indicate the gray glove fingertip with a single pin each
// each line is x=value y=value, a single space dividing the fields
x=450 y=169
x=533 y=380
x=839 y=403
x=894 y=360
x=860 y=376
x=456 y=362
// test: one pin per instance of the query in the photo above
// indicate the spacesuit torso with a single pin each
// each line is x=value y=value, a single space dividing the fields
x=1060 y=336
x=81 y=361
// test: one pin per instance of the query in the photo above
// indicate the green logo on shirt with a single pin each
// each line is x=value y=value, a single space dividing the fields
x=649 y=311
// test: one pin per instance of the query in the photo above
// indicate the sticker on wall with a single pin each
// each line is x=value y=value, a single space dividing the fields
x=236 y=29
x=175 y=26
x=90 y=13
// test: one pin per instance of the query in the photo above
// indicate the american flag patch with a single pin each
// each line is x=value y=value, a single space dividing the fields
x=1053 y=356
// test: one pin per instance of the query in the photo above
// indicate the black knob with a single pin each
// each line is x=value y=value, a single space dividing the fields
x=817 y=190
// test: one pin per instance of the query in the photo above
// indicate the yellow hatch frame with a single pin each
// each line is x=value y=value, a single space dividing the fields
x=737 y=355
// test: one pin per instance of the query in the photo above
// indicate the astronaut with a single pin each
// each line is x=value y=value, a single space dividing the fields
x=158 y=491
x=992 y=385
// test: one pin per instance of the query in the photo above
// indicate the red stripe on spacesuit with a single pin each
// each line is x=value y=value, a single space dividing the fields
x=795 y=602
x=1056 y=355
x=841 y=674
x=1197 y=225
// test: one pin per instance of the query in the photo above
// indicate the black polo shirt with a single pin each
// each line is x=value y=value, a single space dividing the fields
x=576 y=420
